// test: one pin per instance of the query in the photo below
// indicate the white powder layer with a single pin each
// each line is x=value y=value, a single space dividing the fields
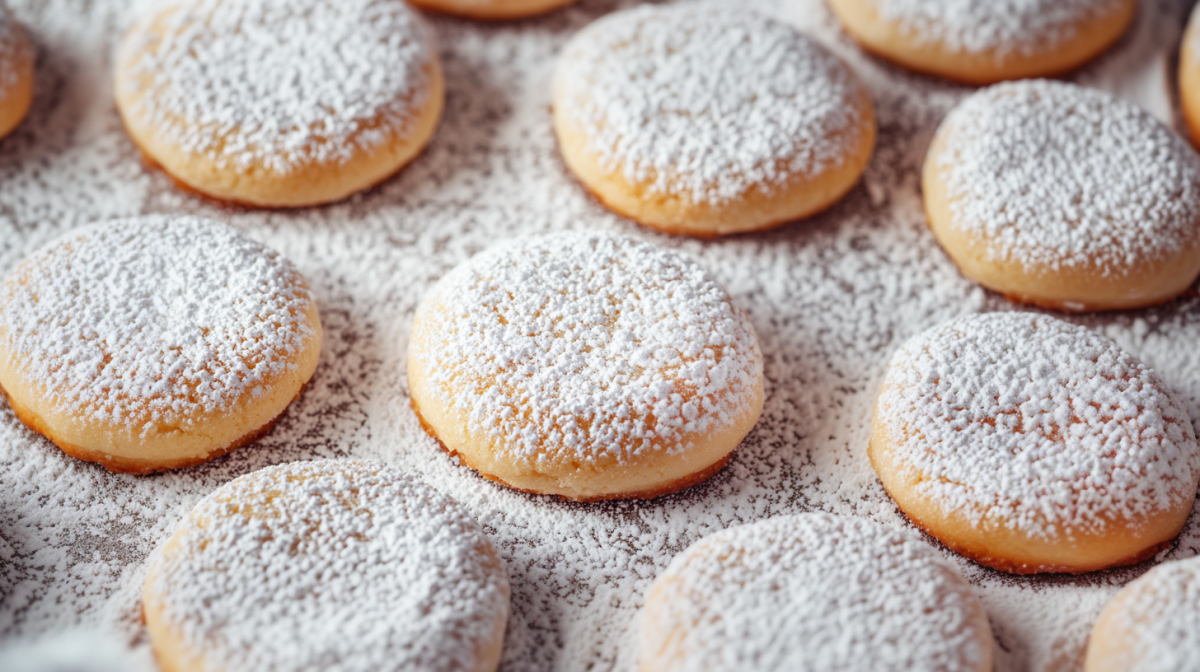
x=74 y=650
x=1053 y=175
x=578 y=347
x=278 y=84
x=707 y=103
x=1038 y=425
x=1003 y=27
x=335 y=565
x=157 y=320
x=1159 y=615
x=13 y=47
x=810 y=593
x=830 y=299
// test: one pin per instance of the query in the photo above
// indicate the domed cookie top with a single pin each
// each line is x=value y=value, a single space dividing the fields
x=707 y=120
x=327 y=565
x=1150 y=626
x=1031 y=444
x=259 y=101
x=812 y=592
x=585 y=365
x=986 y=41
x=155 y=342
x=1066 y=197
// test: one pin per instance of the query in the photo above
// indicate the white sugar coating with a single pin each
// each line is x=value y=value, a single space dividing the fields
x=12 y=46
x=1005 y=27
x=1038 y=425
x=334 y=565
x=73 y=650
x=578 y=346
x=814 y=592
x=1054 y=175
x=279 y=84
x=707 y=103
x=830 y=302
x=1160 y=616
x=135 y=322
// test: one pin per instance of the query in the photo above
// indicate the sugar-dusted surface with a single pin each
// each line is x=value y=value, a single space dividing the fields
x=141 y=322
x=830 y=299
x=1051 y=175
x=706 y=104
x=276 y=84
x=347 y=564
x=1160 y=615
x=1005 y=27
x=814 y=592
x=573 y=347
x=1037 y=424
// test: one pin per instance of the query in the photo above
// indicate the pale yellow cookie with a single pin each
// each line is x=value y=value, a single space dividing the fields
x=328 y=565
x=155 y=343
x=708 y=121
x=986 y=41
x=280 y=103
x=1065 y=197
x=16 y=72
x=1033 y=445
x=587 y=366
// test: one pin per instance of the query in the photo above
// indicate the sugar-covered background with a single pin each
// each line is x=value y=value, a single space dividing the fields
x=831 y=298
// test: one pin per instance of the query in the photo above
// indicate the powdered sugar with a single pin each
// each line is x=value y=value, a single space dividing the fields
x=707 y=103
x=1160 y=616
x=336 y=564
x=830 y=301
x=1050 y=174
x=159 y=320
x=813 y=592
x=1005 y=27
x=1038 y=425
x=278 y=83
x=573 y=347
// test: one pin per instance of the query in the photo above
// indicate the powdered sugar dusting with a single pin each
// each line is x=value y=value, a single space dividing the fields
x=814 y=592
x=279 y=83
x=1160 y=615
x=341 y=565
x=1005 y=27
x=1036 y=424
x=153 y=320
x=707 y=103
x=577 y=346
x=830 y=301
x=1050 y=174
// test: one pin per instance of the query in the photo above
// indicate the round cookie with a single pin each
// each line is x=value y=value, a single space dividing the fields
x=155 y=343
x=492 y=10
x=16 y=72
x=1029 y=444
x=1189 y=76
x=812 y=592
x=986 y=41
x=587 y=366
x=280 y=103
x=335 y=565
x=709 y=120
x=1065 y=197
x=1150 y=626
